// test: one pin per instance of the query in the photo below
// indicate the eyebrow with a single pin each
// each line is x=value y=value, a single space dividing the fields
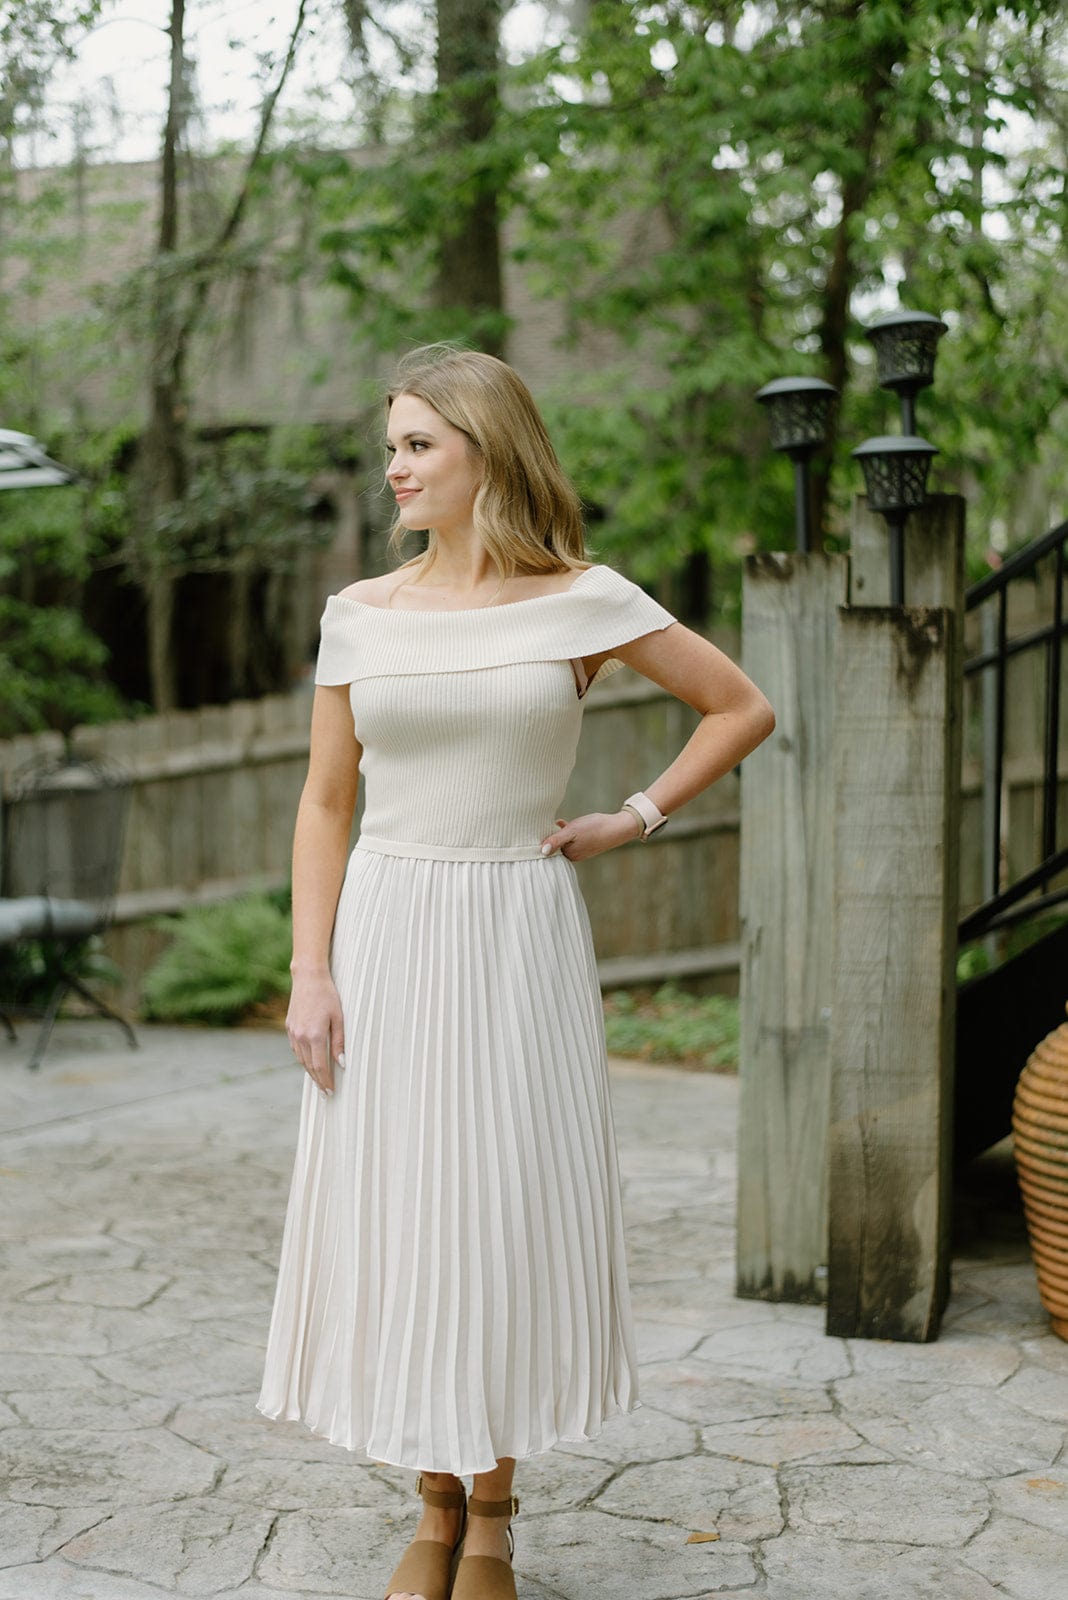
x=416 y=433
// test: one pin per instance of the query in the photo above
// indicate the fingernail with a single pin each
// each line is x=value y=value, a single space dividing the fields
x=545 y=849
x=341 y=1060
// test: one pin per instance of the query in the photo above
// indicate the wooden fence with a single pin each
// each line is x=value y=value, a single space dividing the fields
x=215 y=792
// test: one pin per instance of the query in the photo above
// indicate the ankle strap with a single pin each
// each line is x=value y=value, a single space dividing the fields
x=494 y=1508
x=444 y=1499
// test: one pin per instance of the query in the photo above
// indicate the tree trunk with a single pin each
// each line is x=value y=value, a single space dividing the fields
x=178 y=304
x=841 y=273
x=164 y=452
x=469 y=250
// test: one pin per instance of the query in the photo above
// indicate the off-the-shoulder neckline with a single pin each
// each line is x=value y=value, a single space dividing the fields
x=466 y=611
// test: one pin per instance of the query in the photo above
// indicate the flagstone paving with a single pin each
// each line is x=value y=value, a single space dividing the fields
x=141 y=1204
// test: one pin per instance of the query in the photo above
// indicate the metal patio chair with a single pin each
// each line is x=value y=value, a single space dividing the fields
x=64 y=827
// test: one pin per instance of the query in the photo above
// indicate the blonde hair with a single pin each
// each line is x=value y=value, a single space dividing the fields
x=526 y=512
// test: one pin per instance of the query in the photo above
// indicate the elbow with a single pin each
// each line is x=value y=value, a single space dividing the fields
x=329 y=809
x=762 y=719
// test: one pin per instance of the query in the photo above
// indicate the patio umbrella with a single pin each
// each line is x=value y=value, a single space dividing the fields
x=24 y=464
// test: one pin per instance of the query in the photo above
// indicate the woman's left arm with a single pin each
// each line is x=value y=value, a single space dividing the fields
x=735 y=718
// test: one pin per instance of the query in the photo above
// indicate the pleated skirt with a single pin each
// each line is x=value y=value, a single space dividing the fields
x=452 y=1286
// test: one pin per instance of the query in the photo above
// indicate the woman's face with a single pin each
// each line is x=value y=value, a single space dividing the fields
x=432 y=470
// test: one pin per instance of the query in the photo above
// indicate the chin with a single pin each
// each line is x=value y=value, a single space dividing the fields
x=410 y=518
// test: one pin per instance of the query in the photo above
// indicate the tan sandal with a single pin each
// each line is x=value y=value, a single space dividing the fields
x=487 y=1577
x=426 y=1566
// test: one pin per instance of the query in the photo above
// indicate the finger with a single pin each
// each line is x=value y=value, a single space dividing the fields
x=320 y=1067
x=324 y=1075
x=297 y=1049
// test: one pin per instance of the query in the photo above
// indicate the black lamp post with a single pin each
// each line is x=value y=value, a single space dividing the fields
x=906 y=345
x=800 y=411
x=895 y=475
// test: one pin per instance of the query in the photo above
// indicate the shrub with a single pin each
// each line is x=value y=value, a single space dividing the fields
x=670 y=1025
x=222 y=961
x=30 y=970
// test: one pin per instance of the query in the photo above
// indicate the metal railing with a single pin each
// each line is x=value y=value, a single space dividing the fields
x=1006 y=903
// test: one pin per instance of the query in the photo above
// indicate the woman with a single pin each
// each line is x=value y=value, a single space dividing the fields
x=452 y=1292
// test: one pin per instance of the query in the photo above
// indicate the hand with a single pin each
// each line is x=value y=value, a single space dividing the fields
x=592 y=834
x=316 y=1028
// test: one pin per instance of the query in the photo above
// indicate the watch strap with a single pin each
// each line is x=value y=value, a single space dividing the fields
x=647 y=811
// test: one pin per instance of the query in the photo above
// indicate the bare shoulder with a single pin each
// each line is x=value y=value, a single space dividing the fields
x=372 y=591
x=528 y=586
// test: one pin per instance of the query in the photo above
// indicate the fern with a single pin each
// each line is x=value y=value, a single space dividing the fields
x=670 y=1025
x=223 y=960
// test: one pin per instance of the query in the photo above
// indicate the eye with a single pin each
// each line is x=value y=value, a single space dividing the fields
x=420 y=444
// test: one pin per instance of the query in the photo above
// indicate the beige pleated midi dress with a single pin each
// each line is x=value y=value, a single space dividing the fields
x=452 y=1286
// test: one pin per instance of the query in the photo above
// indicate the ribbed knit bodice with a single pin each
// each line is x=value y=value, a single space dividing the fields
x=469 y=720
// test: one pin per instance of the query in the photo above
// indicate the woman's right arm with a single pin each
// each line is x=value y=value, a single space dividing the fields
x=320 y=851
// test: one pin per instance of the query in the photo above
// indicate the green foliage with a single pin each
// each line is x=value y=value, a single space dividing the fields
x=976 y=958
x=701 y=198
x=670 y=1025
x=248 y=507
x=729 y=192
x=35 y=35
x=51 y=671
x=239 y=510
x=30 y=969
x=223 y=960
x=72 y=531
x=788 y=168
x=53 y=668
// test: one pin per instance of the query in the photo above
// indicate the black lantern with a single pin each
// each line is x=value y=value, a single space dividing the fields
x=895 y=476
x=800 y=413
x=906 y=345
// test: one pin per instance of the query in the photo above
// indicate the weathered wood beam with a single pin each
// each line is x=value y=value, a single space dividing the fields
x=790 y=610
x=896 y=788
x=934 y=555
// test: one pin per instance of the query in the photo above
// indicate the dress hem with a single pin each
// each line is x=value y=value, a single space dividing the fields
x=465 y=1471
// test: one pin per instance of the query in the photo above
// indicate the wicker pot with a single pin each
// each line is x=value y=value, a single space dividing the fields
x=1040 y=1130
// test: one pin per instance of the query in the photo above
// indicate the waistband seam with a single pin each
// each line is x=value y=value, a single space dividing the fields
x=445 y=852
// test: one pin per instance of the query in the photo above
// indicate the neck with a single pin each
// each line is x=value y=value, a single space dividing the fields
x=461 y=565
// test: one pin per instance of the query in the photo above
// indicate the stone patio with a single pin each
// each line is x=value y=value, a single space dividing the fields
x=143 y=1196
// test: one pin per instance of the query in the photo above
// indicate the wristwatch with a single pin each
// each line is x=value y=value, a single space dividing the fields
x=647 y=812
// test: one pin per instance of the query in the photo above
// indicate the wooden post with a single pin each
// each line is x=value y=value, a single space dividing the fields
x=896 y=900
x=934 y=555
x=897 y=788
x=790 y=610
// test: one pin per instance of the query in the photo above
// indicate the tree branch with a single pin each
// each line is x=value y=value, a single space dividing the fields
x=232 y=222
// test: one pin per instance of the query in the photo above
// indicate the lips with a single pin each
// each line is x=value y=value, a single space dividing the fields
x=400 y=495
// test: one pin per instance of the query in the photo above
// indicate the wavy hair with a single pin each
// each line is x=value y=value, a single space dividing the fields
x=526 y=512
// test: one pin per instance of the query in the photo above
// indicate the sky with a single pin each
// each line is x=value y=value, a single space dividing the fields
x=120 y=74
x=121 y=70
